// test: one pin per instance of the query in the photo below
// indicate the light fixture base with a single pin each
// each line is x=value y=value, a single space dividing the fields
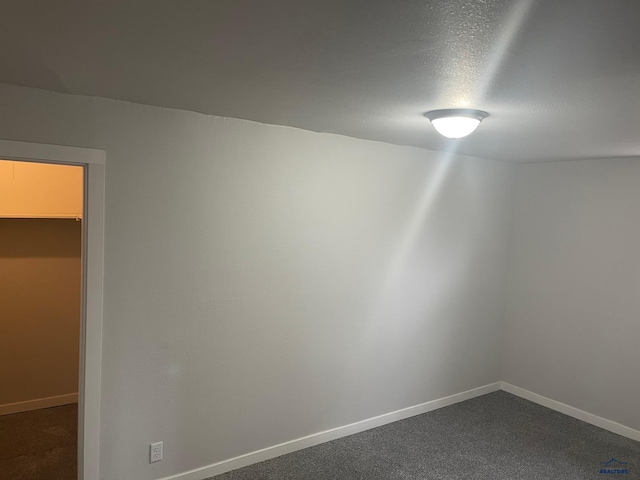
x=457 y=112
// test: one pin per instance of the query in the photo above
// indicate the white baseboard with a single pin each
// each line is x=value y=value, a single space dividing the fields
x=573 y=412
x=335 y=433
x=38 y=403
x=328 y=435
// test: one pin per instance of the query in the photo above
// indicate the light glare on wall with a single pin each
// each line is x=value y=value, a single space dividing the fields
x=456 y=122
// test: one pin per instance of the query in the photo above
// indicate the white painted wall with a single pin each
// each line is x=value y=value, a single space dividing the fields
x=264 y=283
x=573 y=316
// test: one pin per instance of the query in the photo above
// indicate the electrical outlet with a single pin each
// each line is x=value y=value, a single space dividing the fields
x=155 y=452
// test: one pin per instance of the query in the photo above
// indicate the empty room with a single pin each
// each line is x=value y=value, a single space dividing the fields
x=339 y=239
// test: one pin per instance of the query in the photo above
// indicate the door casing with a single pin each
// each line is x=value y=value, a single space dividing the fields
x=89 y=384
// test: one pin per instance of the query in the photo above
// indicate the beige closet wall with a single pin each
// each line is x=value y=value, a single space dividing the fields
x=40 y=275
x=39 y=190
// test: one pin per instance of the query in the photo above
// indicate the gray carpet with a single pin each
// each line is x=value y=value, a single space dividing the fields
x=496 y=436
x=39 y=445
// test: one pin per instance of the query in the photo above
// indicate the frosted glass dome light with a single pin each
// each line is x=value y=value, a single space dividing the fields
x=456 y=122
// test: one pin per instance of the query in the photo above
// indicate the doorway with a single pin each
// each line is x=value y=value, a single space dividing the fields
x=90 y=229
x=40 y=311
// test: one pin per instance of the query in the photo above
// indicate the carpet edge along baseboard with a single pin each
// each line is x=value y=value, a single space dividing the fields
x=38 y=403
x=574 y=412
x=332 y=434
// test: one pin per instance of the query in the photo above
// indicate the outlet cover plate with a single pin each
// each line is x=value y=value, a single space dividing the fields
x=155 y=452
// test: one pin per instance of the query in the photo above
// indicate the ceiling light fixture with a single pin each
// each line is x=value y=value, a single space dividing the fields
x=456 y=122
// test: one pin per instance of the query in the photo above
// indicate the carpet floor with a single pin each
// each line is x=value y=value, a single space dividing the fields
x=39 y=445
x=497 y=436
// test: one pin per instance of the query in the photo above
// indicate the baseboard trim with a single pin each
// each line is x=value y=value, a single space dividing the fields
x=38 y=403
x=609 y=425
x=328 y=435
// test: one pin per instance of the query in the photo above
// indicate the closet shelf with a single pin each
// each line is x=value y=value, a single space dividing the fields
x=62 y=216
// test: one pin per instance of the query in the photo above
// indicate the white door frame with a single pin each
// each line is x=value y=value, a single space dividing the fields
x=89 y=386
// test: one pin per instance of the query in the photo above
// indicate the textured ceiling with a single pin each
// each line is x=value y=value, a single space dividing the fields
x=560 y=79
